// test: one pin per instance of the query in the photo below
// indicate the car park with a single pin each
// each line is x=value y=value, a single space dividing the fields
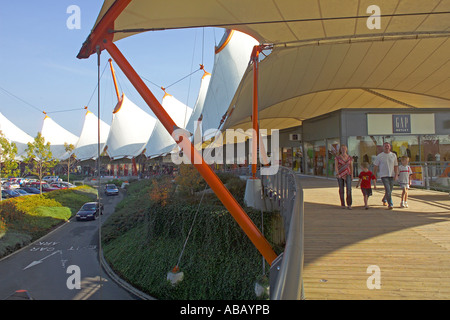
x=89 y=211
x=111 y=189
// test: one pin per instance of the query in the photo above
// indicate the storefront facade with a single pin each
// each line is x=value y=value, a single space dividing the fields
x=421 y=134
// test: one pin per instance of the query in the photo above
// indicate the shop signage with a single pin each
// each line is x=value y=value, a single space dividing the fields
x=401 y=123
x=389 y=123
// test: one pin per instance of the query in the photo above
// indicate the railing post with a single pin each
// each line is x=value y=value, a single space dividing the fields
x=286 y=273
x=426 y=177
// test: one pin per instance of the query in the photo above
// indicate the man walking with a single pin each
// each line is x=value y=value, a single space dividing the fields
x=387 y=164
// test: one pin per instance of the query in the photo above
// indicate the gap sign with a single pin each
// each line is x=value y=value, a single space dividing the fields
x=401 y=123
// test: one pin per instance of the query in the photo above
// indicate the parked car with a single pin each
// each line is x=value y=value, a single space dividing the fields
x=7 y=193
x=67 y=184
x=51 y=179
x=111 y=189
x=31 y=190
x=18 y=181
x=11 y=185
x=58 y=185
x=89 y=211
x=22 y=192
x=34 y=184
x=45 y=186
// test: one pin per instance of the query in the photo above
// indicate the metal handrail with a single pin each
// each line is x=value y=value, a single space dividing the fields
x=286 y=272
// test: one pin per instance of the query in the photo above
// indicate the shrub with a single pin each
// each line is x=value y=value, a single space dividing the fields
x=189 y=180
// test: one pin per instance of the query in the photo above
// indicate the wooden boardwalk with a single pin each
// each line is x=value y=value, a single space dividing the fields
x=409 y=246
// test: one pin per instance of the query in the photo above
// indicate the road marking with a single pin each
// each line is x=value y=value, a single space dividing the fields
x=34 y=263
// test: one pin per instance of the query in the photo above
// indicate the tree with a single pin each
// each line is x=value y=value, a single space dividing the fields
x=69 y=148
x=189 y=180
x=39 y=157
x=9 y=166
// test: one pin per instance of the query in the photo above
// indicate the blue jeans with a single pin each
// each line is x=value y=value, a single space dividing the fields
x=345 y=182
x=388 y=183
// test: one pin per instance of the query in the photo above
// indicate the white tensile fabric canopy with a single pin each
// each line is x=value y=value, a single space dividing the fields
x=199 y=103
x=87 y=147
x=280 y=22
x=57 y=136
x=230 y=62
x=14 y=134
x=160 y=140
x=130 y=130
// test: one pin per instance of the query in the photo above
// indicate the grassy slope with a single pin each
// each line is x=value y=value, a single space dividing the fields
x=25 y=219
x=143 y=240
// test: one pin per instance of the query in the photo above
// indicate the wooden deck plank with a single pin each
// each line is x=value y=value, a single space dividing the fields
x=411 y=246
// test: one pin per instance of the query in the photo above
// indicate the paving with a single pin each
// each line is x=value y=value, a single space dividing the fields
x=403 y=253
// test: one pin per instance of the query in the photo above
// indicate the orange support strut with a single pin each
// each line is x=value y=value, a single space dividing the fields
x=204 y=169
x=114 y=79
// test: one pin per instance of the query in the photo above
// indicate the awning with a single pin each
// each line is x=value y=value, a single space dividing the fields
x=302 y=82
x=275 y=22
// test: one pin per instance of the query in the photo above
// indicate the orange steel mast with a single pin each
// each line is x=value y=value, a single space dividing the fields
x=115 y=80
x=99 y=39
x=255 y=133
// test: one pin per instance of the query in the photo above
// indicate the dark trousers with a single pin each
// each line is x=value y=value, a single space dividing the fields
x=388 y=183
x=346 y=183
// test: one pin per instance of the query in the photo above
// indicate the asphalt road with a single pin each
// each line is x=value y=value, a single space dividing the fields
x=64 y=265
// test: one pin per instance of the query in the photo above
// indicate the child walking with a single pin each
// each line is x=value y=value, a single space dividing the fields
x=404 y=179
x=365 y=178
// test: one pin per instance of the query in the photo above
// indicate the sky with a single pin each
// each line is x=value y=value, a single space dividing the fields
x=39 y=70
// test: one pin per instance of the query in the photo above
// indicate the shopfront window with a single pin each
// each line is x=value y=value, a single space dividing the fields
x=406 y=146
x=319 y=158
x=309 y=157
x=286 y=157
x=333 y=149
x=365 y=148
x=435 y=148
x=298 y=159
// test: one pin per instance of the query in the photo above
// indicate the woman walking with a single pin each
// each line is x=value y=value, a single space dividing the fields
x=344 y=173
